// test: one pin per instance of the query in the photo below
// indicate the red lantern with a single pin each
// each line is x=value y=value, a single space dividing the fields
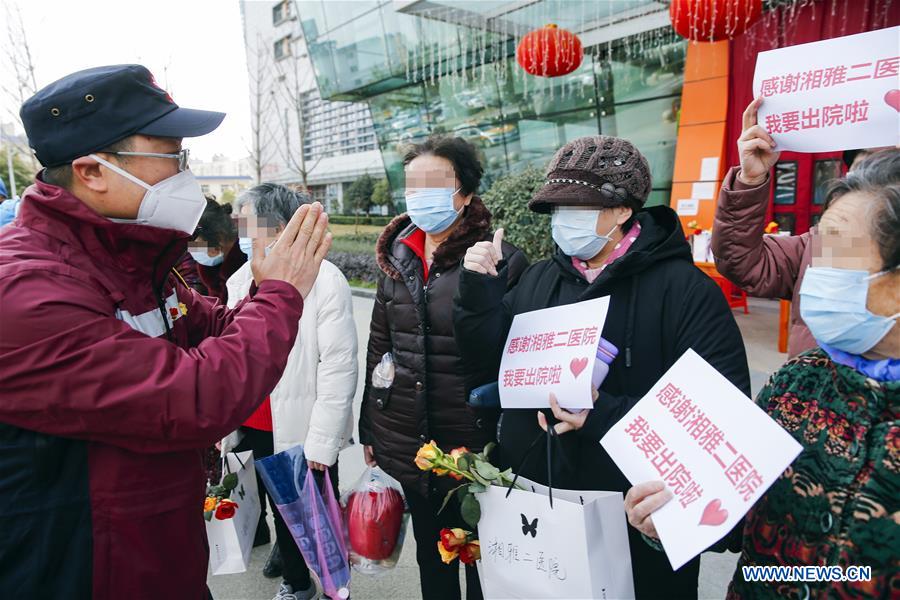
x=713 y=20
x=549 y=52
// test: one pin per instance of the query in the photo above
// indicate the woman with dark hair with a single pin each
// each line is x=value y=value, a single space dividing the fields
x=215 y=248
x=838 y=503
x=419 y=254
x=312 y=404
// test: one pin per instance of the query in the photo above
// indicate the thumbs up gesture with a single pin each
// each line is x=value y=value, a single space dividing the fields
x=484 y=256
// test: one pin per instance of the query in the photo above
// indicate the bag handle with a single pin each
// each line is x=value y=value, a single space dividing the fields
x=550 y=435
x=226 y=466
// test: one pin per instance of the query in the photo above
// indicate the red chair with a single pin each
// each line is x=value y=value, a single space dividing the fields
x=736 y=297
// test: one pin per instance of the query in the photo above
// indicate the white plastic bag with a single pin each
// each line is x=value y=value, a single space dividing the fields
x=376 y=517
x=383 y=373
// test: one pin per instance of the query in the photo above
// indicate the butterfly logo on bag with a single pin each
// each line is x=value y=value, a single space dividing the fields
x=529 y=527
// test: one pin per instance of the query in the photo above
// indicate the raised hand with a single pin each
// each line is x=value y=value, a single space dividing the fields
x=756 y=148
x=484 y=256
x=299 y=251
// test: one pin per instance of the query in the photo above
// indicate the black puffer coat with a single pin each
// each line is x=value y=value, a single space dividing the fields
x=413 y=319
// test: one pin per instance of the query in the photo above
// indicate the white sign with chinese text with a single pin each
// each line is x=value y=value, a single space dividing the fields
x=716 y=451
x=552 y=351
x=836 y=94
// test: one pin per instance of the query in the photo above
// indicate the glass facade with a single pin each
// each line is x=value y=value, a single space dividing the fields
x=465 y=81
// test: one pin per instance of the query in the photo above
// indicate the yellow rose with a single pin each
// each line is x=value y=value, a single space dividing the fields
x=209 y=504
x=448 y=556
x=426 y=456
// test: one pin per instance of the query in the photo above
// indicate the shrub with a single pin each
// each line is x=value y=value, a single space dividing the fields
x=351 y=220
x=356 y=265
x=355 y=244
x=508 y=199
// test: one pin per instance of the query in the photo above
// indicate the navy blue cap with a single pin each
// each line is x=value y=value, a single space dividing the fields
x=87 y=111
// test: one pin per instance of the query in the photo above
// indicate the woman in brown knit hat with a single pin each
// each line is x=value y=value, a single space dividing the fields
x=609 y=244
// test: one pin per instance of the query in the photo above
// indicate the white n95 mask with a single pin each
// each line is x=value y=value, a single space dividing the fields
x=174 y=203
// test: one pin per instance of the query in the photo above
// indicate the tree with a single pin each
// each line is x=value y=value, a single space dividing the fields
x=23 y=173
x=292 y=99
x=359 y=196
x=261 y=103
x=18 y=81
x=508 y=199
x=381 y=195
x=227 y=197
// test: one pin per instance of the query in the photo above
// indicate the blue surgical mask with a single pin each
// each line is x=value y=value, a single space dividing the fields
x=246 y=246
x=833 y=306
x=575 y=232
x=206 y=260
x=431 y=209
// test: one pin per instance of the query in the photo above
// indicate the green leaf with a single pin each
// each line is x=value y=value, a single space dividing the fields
x=488 y=449
x=464 y=462
x=470 y=510
x=230 y=481
x=208 y=515
x=487 y=470
x=476 y=487
x=448 y=496
x=480 y=479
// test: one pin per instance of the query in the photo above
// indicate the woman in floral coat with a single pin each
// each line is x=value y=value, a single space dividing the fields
x=838 y=504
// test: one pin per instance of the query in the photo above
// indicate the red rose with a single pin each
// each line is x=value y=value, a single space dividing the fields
x=469 y=553
x=226 y=509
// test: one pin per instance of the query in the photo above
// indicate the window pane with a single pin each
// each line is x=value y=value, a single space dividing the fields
x=314 y=19
x=824 y=172
x=785 y=222
x=657 y=70
x=785 y=183
x=652 y=127
x=467 y=111
x=400 y=115
x=538 y=139
x=524 y=95
x=658 y=198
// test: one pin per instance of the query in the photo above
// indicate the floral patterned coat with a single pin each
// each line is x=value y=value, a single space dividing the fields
x=839 y=502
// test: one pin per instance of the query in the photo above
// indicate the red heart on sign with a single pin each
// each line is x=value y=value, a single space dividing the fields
x=893 y=99
x=714 y=514
x=578 y=365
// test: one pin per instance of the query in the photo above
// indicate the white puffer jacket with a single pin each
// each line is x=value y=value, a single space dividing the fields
x=313 y=401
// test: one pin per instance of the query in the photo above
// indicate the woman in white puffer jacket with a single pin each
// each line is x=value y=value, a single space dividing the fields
x=312 y=404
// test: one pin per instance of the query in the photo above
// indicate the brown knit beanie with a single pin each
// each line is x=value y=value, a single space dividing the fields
x=598 y=171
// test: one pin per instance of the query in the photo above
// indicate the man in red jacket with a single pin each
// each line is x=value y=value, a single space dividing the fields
x=113 y=374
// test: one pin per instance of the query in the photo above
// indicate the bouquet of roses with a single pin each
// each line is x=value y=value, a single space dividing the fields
x=477 y=474
x=218 y=499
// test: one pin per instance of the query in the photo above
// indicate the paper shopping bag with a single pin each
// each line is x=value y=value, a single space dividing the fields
x=578 y=548
x=312 y=516
x=231 y=537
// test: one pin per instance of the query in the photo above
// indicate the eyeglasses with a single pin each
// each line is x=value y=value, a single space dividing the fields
x=182 y=156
